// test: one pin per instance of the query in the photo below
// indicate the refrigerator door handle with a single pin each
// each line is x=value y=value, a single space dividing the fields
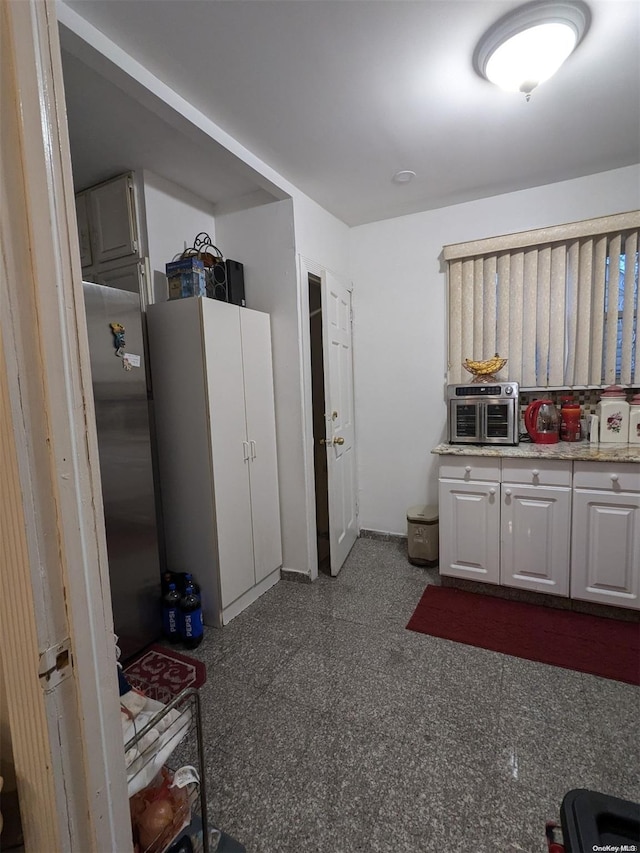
x=245 y=448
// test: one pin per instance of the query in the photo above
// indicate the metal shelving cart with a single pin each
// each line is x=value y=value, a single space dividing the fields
x=168 y=749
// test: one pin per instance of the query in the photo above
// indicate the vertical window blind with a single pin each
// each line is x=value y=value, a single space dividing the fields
x=560 y=303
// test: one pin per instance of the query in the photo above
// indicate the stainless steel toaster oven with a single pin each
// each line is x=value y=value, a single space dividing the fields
x=483 y=413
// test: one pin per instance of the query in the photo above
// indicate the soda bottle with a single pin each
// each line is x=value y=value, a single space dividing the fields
x=186 y=578
x=189 y=579
x=166 y=579
x=171 y=614
x=191 y=628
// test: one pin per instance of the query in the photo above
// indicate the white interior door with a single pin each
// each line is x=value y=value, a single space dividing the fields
x=340 y=433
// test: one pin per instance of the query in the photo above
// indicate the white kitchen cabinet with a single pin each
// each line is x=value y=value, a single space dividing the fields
x=535 y=534
x=84 y=232
x=469 y=495
x=605 y=564
x=114 y=232
x=569 y=528
x=535 y=525
x=108 y=222
x=130 y=276
x=213 y=398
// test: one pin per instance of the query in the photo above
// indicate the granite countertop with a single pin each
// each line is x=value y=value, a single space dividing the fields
x=571 y=450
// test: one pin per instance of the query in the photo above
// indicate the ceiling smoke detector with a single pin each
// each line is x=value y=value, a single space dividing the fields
x=528 y=45
x=403 y=177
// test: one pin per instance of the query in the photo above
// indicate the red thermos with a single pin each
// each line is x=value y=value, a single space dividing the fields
x=570 y=420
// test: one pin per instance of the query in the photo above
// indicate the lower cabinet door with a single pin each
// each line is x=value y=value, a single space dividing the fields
x=605 y=563
x=470 y=530
x=535 y=531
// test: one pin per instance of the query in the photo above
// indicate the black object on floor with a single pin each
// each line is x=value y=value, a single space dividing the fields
x=228 y=844
x=592 y=821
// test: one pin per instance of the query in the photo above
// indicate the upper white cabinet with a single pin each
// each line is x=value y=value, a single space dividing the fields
x=84 y=233
x=605 y=564
x=131 y=276
x=107 y=222
x=214 y=410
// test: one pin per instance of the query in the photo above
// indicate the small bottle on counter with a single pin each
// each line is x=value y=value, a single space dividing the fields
x=634 y=420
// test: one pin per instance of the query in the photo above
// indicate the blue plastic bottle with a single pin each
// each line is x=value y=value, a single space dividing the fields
x=171 y=614
x=191 y=628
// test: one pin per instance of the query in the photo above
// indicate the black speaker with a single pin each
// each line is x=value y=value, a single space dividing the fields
x=216 y=281
x=235 y=282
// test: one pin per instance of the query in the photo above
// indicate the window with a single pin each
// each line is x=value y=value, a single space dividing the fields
x=561 y=303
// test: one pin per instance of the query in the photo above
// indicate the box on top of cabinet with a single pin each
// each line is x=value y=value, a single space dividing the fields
x=186 y=278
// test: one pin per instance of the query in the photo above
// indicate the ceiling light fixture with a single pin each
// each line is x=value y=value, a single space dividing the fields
x=527 y=46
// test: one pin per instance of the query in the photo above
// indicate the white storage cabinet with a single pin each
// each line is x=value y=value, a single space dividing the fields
x=605 y=564
x=535 y=525
x=108 y=228
x=469 y=495
x=212 y=380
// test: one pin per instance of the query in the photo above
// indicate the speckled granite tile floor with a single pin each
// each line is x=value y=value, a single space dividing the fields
x=330 y=728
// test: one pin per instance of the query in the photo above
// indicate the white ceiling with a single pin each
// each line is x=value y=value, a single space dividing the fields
x=337 y=95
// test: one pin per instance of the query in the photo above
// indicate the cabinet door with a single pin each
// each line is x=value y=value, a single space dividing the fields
x=261 y=432
x=124 y=277
x=84 y=233
x=605 y=564
x=535 y=534
x=113 y=222
x=229 y=446
x=470 y=530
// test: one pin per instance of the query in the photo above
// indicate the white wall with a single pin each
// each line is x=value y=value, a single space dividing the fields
x=173 y=217
x=400 y=328
x=320 y=237
x=262 y=239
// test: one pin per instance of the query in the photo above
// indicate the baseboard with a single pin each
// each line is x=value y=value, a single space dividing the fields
x=559 y=602
x=240 y=604
x=381 y=536
x=295 y=575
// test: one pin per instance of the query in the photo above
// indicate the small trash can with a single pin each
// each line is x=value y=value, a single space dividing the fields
x=422 y=535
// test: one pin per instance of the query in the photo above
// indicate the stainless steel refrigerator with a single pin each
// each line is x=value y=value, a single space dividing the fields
x=114 y=322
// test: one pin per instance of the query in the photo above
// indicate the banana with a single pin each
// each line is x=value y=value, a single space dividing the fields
x=485 y=368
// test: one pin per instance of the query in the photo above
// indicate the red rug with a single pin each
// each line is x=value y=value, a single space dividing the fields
x=609 y=648
x=161 y=673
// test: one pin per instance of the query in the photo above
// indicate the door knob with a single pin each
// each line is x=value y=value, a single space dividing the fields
x=338 y=440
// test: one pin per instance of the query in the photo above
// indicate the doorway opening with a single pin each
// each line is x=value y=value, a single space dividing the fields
x=319 y=425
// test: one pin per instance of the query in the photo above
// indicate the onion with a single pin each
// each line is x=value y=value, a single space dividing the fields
x=153 y=821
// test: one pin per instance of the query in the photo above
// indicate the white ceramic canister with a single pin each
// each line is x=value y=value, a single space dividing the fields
x=634 y=420
x=613 y=413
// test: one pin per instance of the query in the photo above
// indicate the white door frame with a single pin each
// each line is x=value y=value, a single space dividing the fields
x=55 y=607
x=307 y=267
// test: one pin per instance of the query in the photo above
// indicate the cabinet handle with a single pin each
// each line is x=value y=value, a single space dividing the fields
x=492 y=491
x=253 y=449
x=245 y=448
x=614 y=478
x=507 y=492
x=535 y=472
x=467 y=468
